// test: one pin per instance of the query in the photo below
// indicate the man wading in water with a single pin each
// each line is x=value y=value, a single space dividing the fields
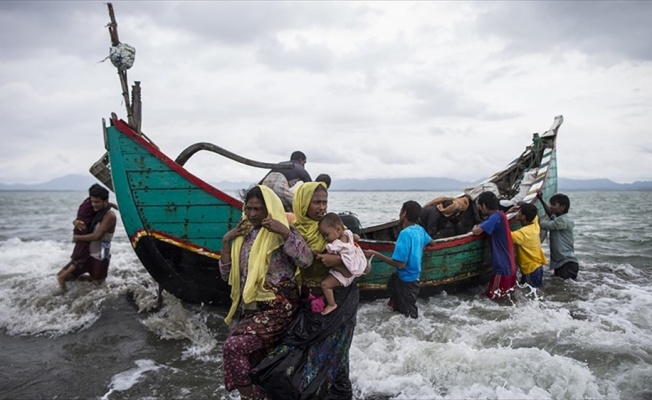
x=101 y=229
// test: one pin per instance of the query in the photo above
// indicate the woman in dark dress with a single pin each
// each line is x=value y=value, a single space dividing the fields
x=312 y=361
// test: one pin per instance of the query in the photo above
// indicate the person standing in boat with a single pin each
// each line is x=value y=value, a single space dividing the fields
x=503 y=266
x=529 y=255
x=312 y=360
x=282 y=180
x=259 y=258
x=403 y=284
x=562 y=243
x=97 y=235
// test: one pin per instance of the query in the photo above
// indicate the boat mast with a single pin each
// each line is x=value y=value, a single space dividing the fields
x=133 y=105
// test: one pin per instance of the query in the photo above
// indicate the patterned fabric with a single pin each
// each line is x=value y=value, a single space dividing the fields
x=295 y=252
x=257 y=331
x=258 y=258
x=279 y=184
x=261 y=322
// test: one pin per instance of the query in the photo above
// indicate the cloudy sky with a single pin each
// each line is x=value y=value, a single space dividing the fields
x=365 y=89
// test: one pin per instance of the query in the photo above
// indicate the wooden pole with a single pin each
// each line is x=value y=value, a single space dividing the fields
x=113 y=32
x=136 y=106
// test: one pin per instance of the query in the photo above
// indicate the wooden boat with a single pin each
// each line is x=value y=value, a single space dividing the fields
x=175 y=221
x=465 y=260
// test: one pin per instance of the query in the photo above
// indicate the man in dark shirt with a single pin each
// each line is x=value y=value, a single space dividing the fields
x=281 y=180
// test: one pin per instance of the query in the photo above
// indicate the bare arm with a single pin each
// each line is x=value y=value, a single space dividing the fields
x=107 y=225
x=543 y=203
x=477 y=230
x=385 y=259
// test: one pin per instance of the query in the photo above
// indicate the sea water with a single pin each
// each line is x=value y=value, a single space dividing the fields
x=590 y=338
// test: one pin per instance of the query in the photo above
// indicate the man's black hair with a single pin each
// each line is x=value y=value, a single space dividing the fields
x=562 y=200
x=412 y=210
x=489 y=199
x=298 y=156
x=98 y=191
x=529 y=211
x=324 y=178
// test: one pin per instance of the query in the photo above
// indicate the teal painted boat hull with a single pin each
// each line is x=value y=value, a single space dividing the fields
x=175 y=221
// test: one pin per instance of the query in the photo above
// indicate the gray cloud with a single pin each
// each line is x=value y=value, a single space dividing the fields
x=607 y=30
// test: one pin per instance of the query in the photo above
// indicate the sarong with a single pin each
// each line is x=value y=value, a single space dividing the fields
x=500 y=286
x=403 y=296
x=256 y=332
x=312 y=361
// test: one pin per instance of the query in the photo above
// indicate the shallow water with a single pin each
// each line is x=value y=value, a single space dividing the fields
x=591 y=338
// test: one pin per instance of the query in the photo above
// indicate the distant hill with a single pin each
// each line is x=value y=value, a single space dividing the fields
x=601 y=184
x=64 y=183
x=398 y=184
x=83 y=182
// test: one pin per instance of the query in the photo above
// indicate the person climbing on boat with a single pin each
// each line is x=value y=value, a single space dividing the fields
x=529 y=255
x=447 y=216
x=282 y=180
x=403 y=284
x=562 y=243
x=94 y=238
x=259 y=258
x=340 y=241
x=312 y=360
x=503 y=266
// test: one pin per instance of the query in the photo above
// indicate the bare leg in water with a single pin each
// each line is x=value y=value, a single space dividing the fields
x=65 y=275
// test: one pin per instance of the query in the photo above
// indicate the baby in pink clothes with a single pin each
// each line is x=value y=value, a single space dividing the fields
x=340 y=241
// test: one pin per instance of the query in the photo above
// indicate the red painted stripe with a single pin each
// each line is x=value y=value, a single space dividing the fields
x=437 y=246
x=133 y=135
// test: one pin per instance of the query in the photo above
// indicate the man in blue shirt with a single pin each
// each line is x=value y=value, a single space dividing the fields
x=403 y=285
x=503 y=265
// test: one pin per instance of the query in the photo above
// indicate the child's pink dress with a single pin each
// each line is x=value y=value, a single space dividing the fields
x=352 y=257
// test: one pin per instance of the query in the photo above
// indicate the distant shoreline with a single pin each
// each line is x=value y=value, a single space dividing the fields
x=72 y=183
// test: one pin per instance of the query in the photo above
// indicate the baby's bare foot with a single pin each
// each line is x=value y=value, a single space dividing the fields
x=328 y=309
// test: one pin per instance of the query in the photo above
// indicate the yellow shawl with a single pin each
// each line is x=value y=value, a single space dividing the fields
x=309 y=229
x=259 y=258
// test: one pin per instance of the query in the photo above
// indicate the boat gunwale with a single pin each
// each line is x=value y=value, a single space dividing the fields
x=126 y=130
